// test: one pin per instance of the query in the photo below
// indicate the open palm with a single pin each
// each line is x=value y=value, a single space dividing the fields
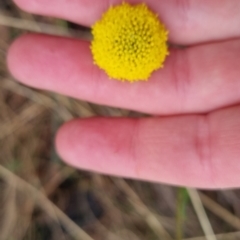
x=194 y=138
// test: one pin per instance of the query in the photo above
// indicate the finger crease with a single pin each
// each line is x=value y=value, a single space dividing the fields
x=203 y=146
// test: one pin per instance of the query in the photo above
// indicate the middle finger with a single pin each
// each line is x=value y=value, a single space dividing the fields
x=196 y=79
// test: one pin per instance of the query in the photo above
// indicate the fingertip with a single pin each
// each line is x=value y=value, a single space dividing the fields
x=73 y=141
x=76 y=11
x=62 y=140
x=37 y=60
x=26 y=5
x=97 y=144
x=14 y=55
x=66 y=139
x=20 y=58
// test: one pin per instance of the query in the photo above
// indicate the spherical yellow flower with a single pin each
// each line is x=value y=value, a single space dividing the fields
x=129 y=42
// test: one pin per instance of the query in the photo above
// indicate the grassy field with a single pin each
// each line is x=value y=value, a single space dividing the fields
x=41 y=198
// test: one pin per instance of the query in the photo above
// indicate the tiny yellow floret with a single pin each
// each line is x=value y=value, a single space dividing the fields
x=129 y=42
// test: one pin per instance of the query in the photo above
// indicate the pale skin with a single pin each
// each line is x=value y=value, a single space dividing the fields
x=194 y=137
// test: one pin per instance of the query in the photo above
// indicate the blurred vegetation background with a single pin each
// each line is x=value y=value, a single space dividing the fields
x=41 y=198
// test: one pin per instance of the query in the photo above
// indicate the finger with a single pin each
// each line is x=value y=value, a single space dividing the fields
x=188 y=21
x=196 y=151
x=196 y=79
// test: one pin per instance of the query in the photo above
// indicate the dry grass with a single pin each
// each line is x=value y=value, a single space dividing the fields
x=42 y=198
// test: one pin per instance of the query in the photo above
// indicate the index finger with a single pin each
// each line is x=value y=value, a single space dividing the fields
x=188 y=21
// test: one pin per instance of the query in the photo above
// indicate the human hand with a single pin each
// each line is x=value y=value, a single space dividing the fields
x=195 y=141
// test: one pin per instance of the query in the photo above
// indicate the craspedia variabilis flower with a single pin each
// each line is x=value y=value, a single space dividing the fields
x=129 y=42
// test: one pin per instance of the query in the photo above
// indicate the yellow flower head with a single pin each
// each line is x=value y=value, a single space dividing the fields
x=129 y=42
